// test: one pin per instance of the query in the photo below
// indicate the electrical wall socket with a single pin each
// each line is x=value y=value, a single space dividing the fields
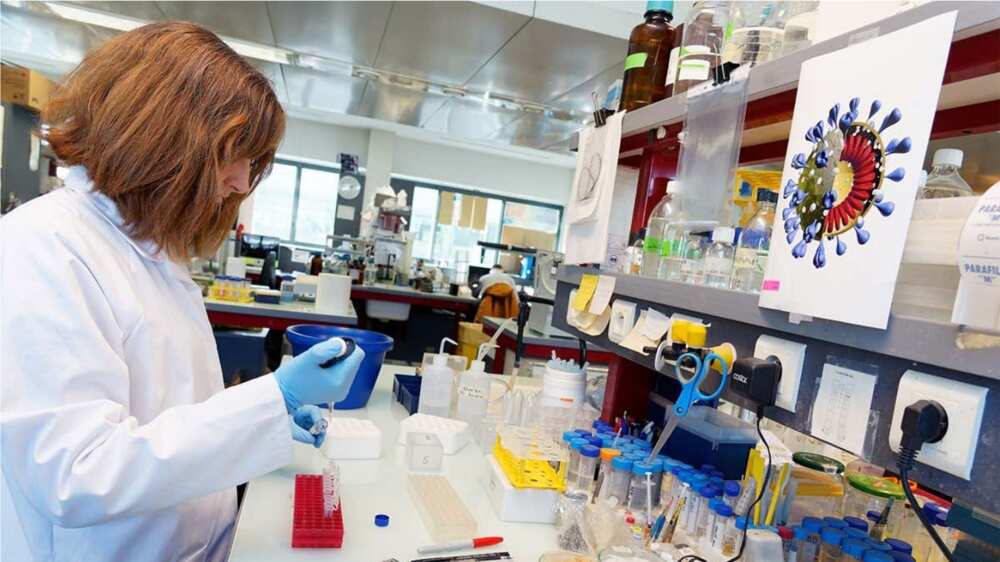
x=792 y=356
x=964 y=403
x=622 y=320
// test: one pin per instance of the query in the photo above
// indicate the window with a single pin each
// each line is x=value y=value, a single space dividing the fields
x=296 y=203
x=440 y=237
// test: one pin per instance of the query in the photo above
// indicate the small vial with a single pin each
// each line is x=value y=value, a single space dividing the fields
x=722 y=522
x=587 y=468
x=734 y=536
x=829 y=550
x=574 y=458
x=640 y=487
x=705 y=512
x=731 y=491
x=689 y=520
x=687 y=494
x=809 y=541
x=787 y=541
x=621 y=475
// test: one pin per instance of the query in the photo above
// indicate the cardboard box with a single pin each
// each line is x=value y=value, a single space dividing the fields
x=25 y=87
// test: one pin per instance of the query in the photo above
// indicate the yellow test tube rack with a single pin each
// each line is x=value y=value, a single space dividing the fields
x=530 y=459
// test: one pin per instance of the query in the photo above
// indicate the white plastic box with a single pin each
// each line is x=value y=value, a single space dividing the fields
x=454 y=434
x=519 y=505
x=352 y=439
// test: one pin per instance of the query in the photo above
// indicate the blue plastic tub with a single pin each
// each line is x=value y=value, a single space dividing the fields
x=374 y=344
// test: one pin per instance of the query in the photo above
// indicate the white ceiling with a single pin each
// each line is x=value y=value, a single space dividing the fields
x=507 y=56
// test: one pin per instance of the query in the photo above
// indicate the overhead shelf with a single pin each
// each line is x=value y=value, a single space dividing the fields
x=914 y=339
x=967 y=82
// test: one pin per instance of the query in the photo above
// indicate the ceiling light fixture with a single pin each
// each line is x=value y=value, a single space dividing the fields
x=123 y=23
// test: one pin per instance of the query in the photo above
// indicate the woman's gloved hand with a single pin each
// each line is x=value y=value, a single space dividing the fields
x=302 y=381
x=304 y=419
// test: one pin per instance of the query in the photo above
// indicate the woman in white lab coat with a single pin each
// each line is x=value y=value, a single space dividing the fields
x=118 y=439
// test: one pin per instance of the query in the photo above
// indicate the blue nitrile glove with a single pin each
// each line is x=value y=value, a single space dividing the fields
x=302 y=381
x=304 y=419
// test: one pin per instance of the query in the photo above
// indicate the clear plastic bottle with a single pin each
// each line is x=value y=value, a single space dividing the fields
x=705 y=513
x=664 y=213
x=621 y=475
x=723 y=520
x=474 y=392
x=694 y=257
x=717 y=265
x=754 y=244
x=758 y=31
x=673 y=252
x=436 y=384
x=701 y=47
x=944 y=179
x=587 y=469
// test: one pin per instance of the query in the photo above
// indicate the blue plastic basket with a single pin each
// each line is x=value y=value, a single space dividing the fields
x=374 y=344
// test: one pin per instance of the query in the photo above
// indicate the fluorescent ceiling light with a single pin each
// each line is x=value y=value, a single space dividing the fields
x=91 y=17
x=123 y=23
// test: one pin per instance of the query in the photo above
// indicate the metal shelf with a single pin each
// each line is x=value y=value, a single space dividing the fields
x=915 y=339
x=782 y=75
x=908 y=343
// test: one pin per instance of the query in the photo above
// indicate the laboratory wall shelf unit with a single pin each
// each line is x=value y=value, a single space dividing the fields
x=969 y=103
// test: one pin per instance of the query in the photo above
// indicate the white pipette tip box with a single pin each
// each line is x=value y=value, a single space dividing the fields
x=352 y=439
x=454 y=434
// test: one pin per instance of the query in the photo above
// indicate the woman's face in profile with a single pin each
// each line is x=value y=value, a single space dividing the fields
x=234 y=178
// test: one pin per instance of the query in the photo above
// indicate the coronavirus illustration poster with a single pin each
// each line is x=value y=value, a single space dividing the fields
x=859 y=133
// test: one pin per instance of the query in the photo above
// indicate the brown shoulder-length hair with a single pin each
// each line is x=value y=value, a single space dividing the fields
x=154 y=114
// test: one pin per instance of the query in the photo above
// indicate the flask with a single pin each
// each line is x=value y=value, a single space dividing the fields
x=646 y=66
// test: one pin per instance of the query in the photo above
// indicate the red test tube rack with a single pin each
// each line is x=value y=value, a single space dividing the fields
x=310 y=529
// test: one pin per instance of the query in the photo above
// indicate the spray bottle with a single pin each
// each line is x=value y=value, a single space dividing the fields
x=474 y=391
x=436 y=383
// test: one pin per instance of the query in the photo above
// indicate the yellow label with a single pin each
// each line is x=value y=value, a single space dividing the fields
x=586 y=291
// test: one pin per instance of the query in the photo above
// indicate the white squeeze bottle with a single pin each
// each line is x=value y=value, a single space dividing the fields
x=474 y=391
x=435 y=384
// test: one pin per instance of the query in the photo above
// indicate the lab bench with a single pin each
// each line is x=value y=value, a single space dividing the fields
x=263 y=530
x=275 y=316
x=538 y=346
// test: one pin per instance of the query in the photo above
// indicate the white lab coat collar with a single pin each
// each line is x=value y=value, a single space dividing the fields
x=78 y=180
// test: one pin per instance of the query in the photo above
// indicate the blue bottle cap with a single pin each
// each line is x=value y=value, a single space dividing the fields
x=814 y=524
x=732 y=488
x=741 y=523
x=679 y=471
x=801 y=533
x=708 y=491
x=717 y=482
x=644 y=445
x=700 y=477
x=621 y=463
x=724 y=510
x=658 y=463
x=873 y=516
x=712 y=503
x=878 y=545
x=931 y=506
x=577 y=443
x=590 y=451
x=855 y=549
x=856 y=522
x=669 y=463
x=831 y=535
x=876 y=556
x=856 y=534
x=381 y=520
x=600 y=424
x=717 y=474
x=660 y=6
x=899 y=545
x=900 y=556
x=636 y=455
x=583 y=432
x=835 y=522
x=569 y=436
x=594 y=440
x=643 y=467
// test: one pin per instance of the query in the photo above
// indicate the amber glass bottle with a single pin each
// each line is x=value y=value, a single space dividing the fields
x=648 y=57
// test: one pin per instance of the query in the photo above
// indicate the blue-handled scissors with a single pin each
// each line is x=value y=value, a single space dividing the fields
x=691 y=370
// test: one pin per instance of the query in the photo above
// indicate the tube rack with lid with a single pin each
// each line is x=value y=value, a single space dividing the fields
x=530 y=458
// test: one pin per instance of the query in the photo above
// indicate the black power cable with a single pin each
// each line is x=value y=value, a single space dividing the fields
x=763 y=488
x=924 y=421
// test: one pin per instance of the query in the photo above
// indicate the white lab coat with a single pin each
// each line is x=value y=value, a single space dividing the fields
x=119 y=442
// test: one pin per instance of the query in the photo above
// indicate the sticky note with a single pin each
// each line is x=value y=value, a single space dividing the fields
x=586 y=291
x=602 y=294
